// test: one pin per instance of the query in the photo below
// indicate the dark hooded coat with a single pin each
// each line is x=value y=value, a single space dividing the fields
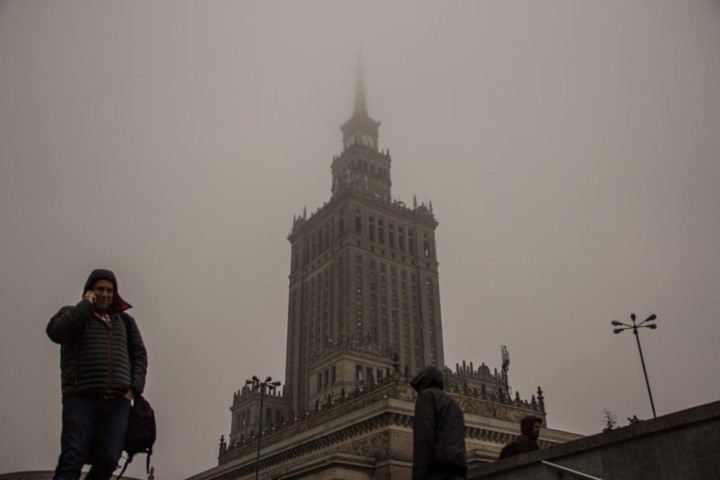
x=527 y=441
x=97 y=358
x=438 y=428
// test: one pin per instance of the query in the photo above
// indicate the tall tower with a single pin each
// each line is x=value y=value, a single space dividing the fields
x=363 y=295
x=363 y=316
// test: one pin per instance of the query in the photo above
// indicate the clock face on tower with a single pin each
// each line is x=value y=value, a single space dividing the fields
x=350 y=141
x=367 y=140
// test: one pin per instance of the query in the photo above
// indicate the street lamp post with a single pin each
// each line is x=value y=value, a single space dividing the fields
x=256 y=384
x=647 y=323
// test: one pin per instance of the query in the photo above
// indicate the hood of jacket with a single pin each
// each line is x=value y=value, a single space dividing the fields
x=118 y=305
x=526 y=425
x=429 y=377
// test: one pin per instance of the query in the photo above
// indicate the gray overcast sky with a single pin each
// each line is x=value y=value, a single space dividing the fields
x=571 y=150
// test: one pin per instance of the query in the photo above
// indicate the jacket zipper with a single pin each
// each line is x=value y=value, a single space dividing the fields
x=110 y=357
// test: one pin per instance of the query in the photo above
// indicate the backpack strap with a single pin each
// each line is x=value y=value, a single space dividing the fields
x=122 y=472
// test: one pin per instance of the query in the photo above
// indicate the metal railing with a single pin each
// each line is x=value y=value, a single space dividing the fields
x=569 y=470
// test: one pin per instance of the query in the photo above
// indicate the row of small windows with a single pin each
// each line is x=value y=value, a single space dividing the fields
x=326 y=378
x=384 y=301
x=394 y=236
x=243 y=419
x=431 y=318
x=364 y=166
x=317 y=294
x=368 y=375
x=377 y=229
x=363 y=375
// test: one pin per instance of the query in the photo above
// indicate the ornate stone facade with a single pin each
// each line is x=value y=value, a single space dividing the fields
x=368 y=434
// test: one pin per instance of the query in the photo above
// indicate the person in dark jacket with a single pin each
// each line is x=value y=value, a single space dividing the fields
x=103 y=363
x=438 y=430
x=529 y=433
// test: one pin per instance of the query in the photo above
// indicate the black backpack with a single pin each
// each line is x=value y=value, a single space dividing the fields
x=141 y=432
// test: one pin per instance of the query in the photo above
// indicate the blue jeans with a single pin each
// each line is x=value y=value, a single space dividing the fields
x=93 y=431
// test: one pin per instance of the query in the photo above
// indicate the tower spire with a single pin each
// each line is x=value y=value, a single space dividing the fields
x=360 y=102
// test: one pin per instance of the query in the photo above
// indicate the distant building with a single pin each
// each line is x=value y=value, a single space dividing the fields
x=363 y=317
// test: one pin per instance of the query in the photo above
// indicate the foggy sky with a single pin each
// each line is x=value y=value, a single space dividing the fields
x=571 y=150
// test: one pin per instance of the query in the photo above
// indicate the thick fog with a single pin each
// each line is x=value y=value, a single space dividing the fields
x=571 y=151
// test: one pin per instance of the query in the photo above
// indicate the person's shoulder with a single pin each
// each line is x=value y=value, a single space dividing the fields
x=128 y=319
x=523 y=444
x=439 y=395
x=435 y=391
x=428 y=393
x=126 y=316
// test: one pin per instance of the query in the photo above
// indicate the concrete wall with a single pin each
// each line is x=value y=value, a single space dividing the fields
x=683 y=445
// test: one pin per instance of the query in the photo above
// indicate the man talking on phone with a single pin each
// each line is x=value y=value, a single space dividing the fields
x=103 y=363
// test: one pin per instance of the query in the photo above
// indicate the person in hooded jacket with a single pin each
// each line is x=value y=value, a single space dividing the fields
x=529 y=433
x=438 y=430
x=103 y=363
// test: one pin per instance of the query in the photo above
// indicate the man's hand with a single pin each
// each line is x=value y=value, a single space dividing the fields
x=90 y=297
x=129 y=395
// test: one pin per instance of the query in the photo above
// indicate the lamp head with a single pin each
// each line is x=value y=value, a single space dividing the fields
x=651 y=318
x=616 y=323
x=652 y=326
x=268 y=379
x=632 y=317
x=255 y=378
x=618 y=330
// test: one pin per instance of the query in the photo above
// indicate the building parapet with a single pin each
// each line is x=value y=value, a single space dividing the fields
x=395 y=386
x=421 y=212
x=249 y=393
